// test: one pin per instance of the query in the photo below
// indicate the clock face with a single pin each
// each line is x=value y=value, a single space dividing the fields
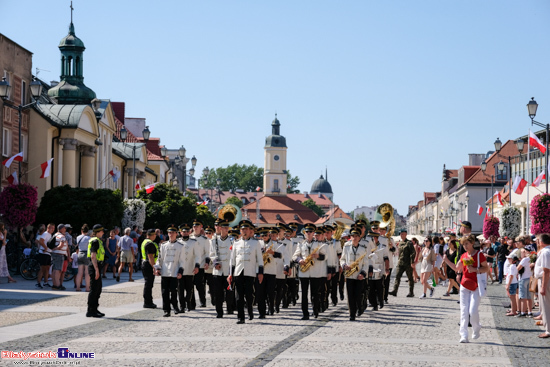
x=276 y=158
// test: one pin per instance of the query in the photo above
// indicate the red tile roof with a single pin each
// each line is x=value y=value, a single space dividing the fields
x=333 y=214
x=321 y=200
x=119 y=108
x=286 y=208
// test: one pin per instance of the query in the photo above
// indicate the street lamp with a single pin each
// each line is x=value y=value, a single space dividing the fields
x=36 y=91
x=483 y=168
x=123 y=136
x=498 y=146
x=532 y=109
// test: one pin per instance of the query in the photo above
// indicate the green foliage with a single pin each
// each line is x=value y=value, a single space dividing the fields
x=313 y=206
x=235 y=201
x=244 y=177
x=352 y=215
x=166 y=205
x=65 y=204
x=362 y=216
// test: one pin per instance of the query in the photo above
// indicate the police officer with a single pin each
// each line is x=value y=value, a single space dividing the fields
x=246 y=264
x=405 y=263
x=220 y=254
x=190 y=259
x=149 y=255
x=96 y=256
x=169 y=266
x=354 y=255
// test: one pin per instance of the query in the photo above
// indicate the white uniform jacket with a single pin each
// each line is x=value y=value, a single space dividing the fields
x=246 y=257
x=377 y=259
x=203 y=248
x=169 y=261
x=283 y=260
x=351 y=254
x=386 y=241
x=319 y=268
x=271 y=267
x=189 y=256
x=220 y=253
x=335 y=251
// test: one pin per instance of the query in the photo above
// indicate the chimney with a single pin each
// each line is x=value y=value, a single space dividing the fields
x=305 y=194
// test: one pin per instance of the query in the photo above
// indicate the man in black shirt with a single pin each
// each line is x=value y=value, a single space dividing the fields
x=96 y=255
x=149 y=254
x=502 y=252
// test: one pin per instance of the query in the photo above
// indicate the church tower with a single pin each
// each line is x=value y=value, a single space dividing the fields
x=71 y=89
x=275 y=173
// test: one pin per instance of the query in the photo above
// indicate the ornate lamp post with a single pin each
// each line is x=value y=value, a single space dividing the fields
x=532 y=109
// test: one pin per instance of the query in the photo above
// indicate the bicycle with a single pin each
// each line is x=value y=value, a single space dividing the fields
x=30 y=266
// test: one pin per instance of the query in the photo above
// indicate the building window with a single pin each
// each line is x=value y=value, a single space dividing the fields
x=25 y=147
x=6 y=142
x=23 y=92
x=276 y=185
x=502 y=175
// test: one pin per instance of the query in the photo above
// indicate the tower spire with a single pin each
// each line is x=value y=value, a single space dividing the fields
x=72 y=12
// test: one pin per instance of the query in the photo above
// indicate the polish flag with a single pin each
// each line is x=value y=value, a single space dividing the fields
x=12 y=179
x=46 y=168
x=479 y=209
x=18 y=157
x=519 y=185
x=149 y=188
x=540 y=177
x=499 y=197
x=258 y=188
x=115 y=173
x=138 y=186
x=487 y=213
x=535 y=142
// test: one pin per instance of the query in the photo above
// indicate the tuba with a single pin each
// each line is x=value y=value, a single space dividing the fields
x=231 y=213
x=384 y=214
x=341 y=227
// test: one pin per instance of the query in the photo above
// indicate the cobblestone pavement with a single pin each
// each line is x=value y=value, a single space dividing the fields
x=407 y=332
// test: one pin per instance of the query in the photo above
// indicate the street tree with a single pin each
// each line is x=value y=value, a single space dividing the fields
x=313 y=206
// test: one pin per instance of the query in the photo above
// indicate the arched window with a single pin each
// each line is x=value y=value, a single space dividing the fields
x=77 y=66
x=69 y=65
x=63 y=65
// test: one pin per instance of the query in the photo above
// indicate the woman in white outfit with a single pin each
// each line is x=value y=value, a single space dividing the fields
x=427 y=266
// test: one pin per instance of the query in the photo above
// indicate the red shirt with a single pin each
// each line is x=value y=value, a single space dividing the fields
x=469 y=280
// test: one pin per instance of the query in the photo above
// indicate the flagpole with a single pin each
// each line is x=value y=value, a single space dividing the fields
x=528 y=174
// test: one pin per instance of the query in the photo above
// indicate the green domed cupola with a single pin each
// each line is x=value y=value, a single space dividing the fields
x=71 y=89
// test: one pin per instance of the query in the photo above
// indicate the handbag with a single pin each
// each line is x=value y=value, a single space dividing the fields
x=481 y=280
x=533 y=285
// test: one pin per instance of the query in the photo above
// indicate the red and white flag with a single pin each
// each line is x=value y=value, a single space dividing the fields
x=149 y=188
x=138 y=186
x=115 y=173
x=499 y=198
x=12 y=179
x=258 y=188
x=535 y=142
x=519 y=185
x=539 y=179
x=18 y=157
x=46 y=168
x=479 y=209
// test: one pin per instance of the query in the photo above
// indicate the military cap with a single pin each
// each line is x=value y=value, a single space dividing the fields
x=197 y=222
x=151 y=231
x=273 y=230
x=361 y=222
x=466 y=224
x=184 y=226
x=404 y=230
x=319 y=230
x=209 y=229
x=282 y=226
x=223 y=223
x=294 y=225
x=172 y=228
x=374 y=222
x=234 y=232
x=246 y=224
x=309 y=227
x=329 y=228
x=98 y=228
x=218 y=221
x=374 y=234
x=355 y=231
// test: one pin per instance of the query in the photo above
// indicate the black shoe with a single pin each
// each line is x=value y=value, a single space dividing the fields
x=305 y=318
x=152 y=305
x=341 y=297
x=93 y=314
x=375 y=308
x=316 y=314
x=410 y=295
x=334 y=304
x=381 y=305
x=241 y=321
x=118 y=280
x=352 y=318
x=277 y=309
x=261 y=317
x=271 y=312
x=37 y=285
x=393 y=293
x=386 y=301
x=360 y=311
x=166 y=314
x=101 y=314
x=230 y=312
x=219 y=316
x=251 y=317
x=203 y=305
x=176 y=311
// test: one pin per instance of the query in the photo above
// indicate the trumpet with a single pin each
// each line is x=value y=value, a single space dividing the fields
x=354 y=266
x=309 y=262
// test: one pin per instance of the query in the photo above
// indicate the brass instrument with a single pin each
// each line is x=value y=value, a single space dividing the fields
x=354 y=266
x=340 y=228
x=384 y=214
x=309 y=262
x=231 y=213
x=266 y=257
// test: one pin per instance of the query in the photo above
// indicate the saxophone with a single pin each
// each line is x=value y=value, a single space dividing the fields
x=266 y=257
x=309 y=261
x=354 y=266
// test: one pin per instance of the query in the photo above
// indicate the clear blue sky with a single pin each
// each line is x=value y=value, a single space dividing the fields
x=383 y=93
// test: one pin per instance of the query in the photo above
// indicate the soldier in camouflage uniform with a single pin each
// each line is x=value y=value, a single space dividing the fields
x=405 y=263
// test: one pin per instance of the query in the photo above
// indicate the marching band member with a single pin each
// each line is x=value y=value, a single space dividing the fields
x=336 y=251
x=283 y=264
x=208 y=278
x=203 y=249
x=311 y=256
x=390 y=244
x=354 y=256
x=190 y=260
x=246 y=263
x=220 y=253
x=265 y=291
x=365 y=242
x=170 y=268
x=379 y=258
x=292 y=280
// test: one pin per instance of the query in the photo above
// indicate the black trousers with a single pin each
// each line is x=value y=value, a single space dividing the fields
x=387 y=285
x=265 y=293
x=355 y=295
x=290 y=291
x=400 y=271
x=365 y=294
x=149 y=277
x=219 y=283
x=185 y=290
x=245 y=288
x=323 y=293
x=199 y=285
x=95 y=287
x=209 y=280
x=376 y=292
x=341 y=284
x=334 y=281
x=315 y=284
x=169 y=291
x=280 y=291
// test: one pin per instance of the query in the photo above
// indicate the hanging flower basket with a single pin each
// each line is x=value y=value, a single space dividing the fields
x=18 y=205
x=134 y=213
x=510 y=222
x=490 y=226
x=540 y=214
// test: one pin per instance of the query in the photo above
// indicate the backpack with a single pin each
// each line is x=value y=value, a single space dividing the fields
x=52 y=243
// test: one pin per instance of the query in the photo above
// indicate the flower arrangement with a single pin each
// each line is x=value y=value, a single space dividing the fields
x=18 y=205
x=533 y=257
x=490 y=226
x=510 y=222
x=134 y=213
x=540 y=214
x=468 y=261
